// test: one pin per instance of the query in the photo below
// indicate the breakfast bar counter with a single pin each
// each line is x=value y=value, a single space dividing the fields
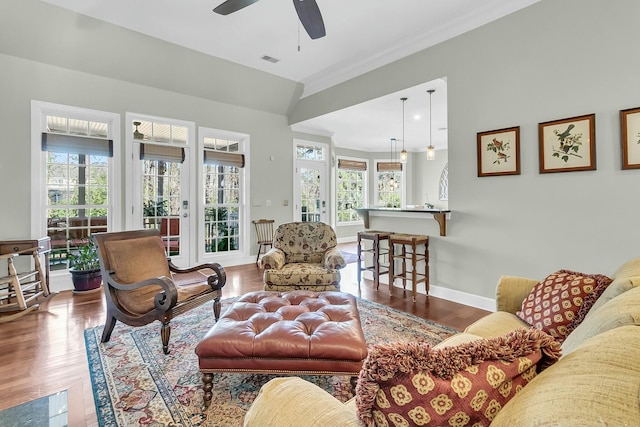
x=439 y=215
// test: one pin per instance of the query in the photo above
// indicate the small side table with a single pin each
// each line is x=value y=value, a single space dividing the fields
x=413 y=248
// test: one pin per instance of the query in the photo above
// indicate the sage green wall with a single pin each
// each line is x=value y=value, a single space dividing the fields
x=25 y=80
x=33 y=29
x=552 y=60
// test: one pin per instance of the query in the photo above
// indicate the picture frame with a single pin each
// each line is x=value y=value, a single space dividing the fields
x=630 y=132
x=499 y=152
x=568 y=145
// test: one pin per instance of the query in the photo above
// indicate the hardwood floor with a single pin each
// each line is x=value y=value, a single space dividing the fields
x=44 y=352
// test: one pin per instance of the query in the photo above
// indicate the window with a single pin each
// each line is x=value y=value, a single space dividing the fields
x=223 y=187
x=444 y=183
x=309 y=152
x=352 y=189
x=389 y=188
x=74 y=157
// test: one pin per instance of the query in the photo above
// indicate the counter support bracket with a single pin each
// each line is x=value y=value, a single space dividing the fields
x=442 y=220
x=365 y=217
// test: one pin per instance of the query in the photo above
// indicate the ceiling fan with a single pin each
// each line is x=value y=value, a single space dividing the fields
x=308 y=13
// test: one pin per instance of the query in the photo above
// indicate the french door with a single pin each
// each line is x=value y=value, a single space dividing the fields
x=310 y=182
x=162 y=195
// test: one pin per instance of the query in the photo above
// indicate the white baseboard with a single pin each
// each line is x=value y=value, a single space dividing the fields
x=476 y=301
x=347 y=239
x=471 y=300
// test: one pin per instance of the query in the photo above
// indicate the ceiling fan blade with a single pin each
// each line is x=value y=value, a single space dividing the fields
x=310 y=17
x=231 y=6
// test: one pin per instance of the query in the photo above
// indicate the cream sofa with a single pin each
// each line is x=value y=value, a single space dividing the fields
x=595 y=382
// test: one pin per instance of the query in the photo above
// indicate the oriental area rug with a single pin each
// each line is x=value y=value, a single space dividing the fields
x=135 y=384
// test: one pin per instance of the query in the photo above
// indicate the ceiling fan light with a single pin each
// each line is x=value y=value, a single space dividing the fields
x=431 y=153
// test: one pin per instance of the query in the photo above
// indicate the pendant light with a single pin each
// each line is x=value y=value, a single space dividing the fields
x=391 y=181
x=403 y=153
x=431 y=152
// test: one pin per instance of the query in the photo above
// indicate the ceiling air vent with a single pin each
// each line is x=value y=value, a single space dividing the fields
x=270 y=59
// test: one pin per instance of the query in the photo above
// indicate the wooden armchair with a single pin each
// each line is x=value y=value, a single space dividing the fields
x=264 y=234
x=142 y=285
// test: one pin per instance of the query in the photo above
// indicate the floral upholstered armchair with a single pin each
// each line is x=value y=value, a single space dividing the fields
x=304 y=256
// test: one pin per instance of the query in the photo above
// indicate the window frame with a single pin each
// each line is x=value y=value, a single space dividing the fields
x=403 y=189
x=321 y=164
x=365 y=190
x=244 y=213
x=134 y=192
x=39 y=112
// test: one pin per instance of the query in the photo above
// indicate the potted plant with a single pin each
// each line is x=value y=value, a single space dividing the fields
x=84 y=266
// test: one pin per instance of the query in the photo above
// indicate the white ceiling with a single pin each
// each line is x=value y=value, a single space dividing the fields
x=361 y=35
x=371 y=125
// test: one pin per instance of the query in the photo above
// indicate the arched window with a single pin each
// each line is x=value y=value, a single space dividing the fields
x=444 y=183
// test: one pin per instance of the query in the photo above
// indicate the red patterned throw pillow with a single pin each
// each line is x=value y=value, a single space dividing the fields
x=403 y=384
x=558 y=303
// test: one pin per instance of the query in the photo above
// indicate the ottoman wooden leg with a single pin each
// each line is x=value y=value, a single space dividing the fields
x=165 y=333
x=216 y=308
x=354 y=382
x=207 y=386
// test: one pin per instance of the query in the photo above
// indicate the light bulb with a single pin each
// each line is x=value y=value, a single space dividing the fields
x=431 y=153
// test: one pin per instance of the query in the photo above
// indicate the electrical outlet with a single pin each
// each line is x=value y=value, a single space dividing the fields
x=285 y=203
x=267 y=203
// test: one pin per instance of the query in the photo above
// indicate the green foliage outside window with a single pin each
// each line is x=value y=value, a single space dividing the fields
x=221 y=229
x=350 y=194
x=389 y=189
x=77 y=202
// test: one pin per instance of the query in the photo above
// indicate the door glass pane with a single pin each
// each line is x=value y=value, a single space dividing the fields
x=161 y=201
x=310 y=194
x=77 y=202
x=222 y=208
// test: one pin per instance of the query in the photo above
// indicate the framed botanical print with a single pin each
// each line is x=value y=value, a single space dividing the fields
x=499 y=152
x=568 y=145
x=630 y=131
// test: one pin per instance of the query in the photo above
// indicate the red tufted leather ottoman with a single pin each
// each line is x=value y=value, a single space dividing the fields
x=296 y=332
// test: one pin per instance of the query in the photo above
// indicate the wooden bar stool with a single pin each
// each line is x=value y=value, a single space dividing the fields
x=406 y=247
x=376 y=252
